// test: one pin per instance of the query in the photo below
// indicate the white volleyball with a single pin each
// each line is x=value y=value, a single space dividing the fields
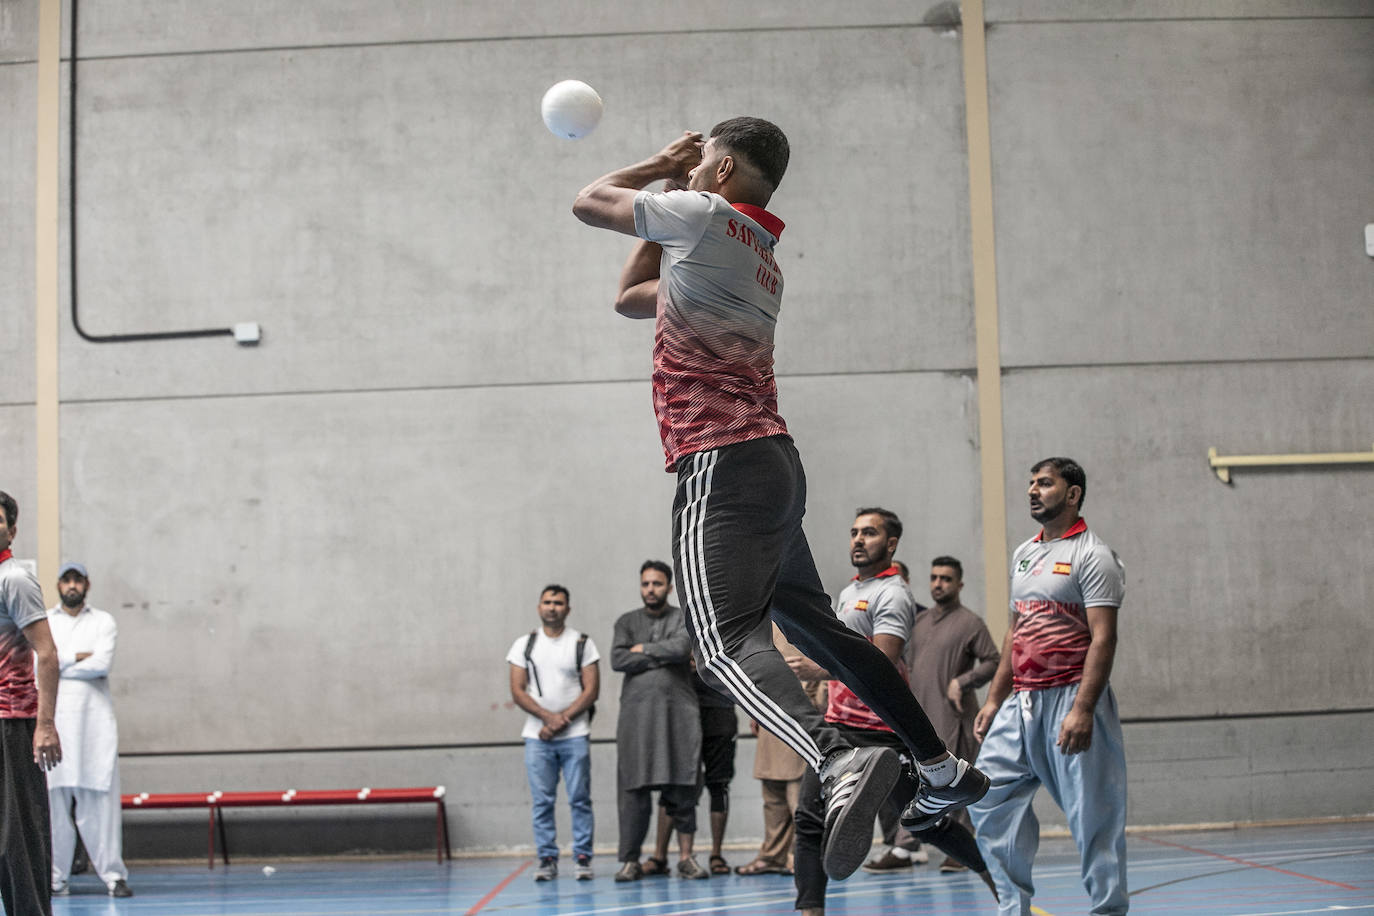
x=571 y=109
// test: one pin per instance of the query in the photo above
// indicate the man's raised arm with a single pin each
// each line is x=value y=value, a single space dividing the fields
x=609 y=202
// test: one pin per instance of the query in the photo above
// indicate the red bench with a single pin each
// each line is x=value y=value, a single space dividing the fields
x=217 y=801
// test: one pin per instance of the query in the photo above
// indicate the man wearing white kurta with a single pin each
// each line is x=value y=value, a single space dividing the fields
x=89 y=771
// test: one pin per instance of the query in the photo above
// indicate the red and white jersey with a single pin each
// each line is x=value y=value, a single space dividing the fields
x=718 y=297
x=21 y=603
x=1053 y=583
x=880 y=604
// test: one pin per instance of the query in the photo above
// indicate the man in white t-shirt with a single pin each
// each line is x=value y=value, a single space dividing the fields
x=554 y=677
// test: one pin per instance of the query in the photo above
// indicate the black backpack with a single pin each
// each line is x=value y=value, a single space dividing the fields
x=534 y=672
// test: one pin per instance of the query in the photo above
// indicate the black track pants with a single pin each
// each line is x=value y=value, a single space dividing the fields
x=739 y=552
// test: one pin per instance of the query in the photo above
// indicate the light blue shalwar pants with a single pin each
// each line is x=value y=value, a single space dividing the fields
x=1018 y=756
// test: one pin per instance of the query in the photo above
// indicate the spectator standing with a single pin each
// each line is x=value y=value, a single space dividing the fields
x=1050 y=717
x=658 y=736
x=89 y=772
x=28 y=730
x=900 y=848
x=877 y=605
x=719 y=737
x=554 y=677
x=719 y=734
x=779 y=771
x=950 y=655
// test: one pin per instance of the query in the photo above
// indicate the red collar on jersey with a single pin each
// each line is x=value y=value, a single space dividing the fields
x=890 y=571
x=762 y=217
x=5 y=555
x=1078 y=527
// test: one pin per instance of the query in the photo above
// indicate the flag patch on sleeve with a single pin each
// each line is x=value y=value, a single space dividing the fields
x=1062 y=569
x=861 y=605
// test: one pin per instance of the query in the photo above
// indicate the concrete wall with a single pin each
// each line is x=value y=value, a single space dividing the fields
x=330 y=540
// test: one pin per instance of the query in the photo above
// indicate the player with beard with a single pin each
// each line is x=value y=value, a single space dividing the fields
x=878 y=606
x=1050 y=715
x=28 y=731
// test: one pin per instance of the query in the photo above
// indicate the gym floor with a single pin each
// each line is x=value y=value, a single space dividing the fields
x=1261 y=871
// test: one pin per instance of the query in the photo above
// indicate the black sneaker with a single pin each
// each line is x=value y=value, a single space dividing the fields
x=629 y=871
x=547 y=870
x=120 y=889
x=584 y=868
x=934 y=802
x=854 y=784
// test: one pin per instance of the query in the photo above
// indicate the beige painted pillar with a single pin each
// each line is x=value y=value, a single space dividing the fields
x=44 y=518
x=989 y=355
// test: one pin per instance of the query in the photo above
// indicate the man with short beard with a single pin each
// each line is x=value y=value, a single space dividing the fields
x=1050 y=716
x=658 y=735
x=950 y=654
x=878 y=606
x=89 y=773
x=555 y=679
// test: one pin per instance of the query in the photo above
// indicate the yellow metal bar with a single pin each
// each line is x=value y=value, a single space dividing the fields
x=46 y=515
x=1222 y=464
x=992 y=459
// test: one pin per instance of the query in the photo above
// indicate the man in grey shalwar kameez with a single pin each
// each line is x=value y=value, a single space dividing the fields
x=658 y=736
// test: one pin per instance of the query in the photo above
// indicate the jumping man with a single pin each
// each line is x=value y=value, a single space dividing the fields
x=705 y=269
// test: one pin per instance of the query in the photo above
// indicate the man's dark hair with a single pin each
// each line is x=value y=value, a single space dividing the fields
x=1068 y=469
x=761 y=142
x=891 y=523
x=11 y=508
x=950 y=562
x=556 y=589
x=660 y=566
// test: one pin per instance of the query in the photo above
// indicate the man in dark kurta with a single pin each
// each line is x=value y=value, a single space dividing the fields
x=658 y=736
x=950 y=655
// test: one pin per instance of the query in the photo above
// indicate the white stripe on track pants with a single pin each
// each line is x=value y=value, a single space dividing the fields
x=739 y=553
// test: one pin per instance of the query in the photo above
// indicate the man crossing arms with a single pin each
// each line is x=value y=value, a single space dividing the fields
x=89 y=773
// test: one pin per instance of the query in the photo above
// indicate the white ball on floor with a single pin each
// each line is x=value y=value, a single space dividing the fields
x=268 y=870
x=571 y=109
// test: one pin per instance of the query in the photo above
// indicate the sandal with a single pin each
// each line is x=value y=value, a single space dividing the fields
x=719 y=866
x=654 y=868
x=760 y=867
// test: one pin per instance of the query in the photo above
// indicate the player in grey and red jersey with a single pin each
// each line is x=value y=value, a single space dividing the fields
x=1050 y=715
x=28 y=732
x=705 y=268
